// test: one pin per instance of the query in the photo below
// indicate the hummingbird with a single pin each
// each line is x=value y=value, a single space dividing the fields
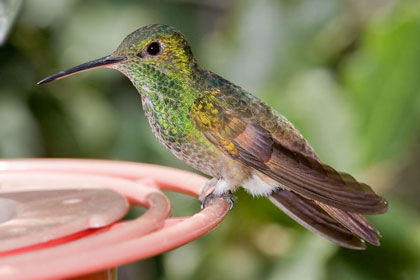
x=224 y=131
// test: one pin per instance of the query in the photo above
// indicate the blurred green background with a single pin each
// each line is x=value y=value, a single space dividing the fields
x=346 y=73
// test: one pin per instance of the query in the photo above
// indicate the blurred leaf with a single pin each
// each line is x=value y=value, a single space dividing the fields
x=308 y=261
x=313 y=101
x=19 y=135
x=92 y=119
x=384 y=85
x=45 y=13
x=8 y=12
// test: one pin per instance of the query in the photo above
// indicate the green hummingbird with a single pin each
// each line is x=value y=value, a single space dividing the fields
x=226 y=132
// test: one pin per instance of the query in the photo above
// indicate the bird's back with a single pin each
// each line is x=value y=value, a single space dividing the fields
x=238 y=102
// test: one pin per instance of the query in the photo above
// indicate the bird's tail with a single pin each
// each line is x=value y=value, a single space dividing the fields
x=345 y=228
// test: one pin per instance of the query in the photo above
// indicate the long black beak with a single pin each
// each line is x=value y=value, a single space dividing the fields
x=100 y=62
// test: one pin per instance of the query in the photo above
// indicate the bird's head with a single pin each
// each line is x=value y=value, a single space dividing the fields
x=147 y=53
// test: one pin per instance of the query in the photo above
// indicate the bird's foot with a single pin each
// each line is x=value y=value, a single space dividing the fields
x=226 y=196
x=207 y=194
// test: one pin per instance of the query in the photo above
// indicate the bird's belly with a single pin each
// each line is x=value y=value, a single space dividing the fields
x=199 y=153
x=201 y=158
x=190 y=147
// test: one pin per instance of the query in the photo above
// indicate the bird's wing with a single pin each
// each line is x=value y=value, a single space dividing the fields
x=344 y=228
x=243 y=137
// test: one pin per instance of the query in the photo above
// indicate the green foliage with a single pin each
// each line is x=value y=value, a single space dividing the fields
x=382 y=79
x=345 y=72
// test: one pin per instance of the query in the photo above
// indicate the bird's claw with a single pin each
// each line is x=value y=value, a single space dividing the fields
x=226 y=196
x=207 y=194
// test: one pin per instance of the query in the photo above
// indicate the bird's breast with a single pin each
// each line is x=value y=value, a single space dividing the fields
x=175 y=130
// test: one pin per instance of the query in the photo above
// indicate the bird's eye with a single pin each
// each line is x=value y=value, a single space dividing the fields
x=153 y=49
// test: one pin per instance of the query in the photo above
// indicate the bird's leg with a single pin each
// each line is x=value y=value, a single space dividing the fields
x=207 y=189
x=207 y=194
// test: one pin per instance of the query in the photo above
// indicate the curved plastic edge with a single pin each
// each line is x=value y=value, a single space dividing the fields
x=82 y=256
x=186 y=182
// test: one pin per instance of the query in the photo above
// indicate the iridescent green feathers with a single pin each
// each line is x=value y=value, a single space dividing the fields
x=175 y=58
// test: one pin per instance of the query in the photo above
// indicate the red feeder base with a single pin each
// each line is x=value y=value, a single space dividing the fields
x=60 y=220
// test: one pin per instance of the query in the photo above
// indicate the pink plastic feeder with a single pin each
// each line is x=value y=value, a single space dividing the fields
x=59 y=218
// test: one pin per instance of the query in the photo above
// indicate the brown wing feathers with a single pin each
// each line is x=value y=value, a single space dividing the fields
x=320 y=182
x=256 y=141
x=342 y=227
x=309 y=214
x=304 y=175
x=317 y=196
x=354 y=222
